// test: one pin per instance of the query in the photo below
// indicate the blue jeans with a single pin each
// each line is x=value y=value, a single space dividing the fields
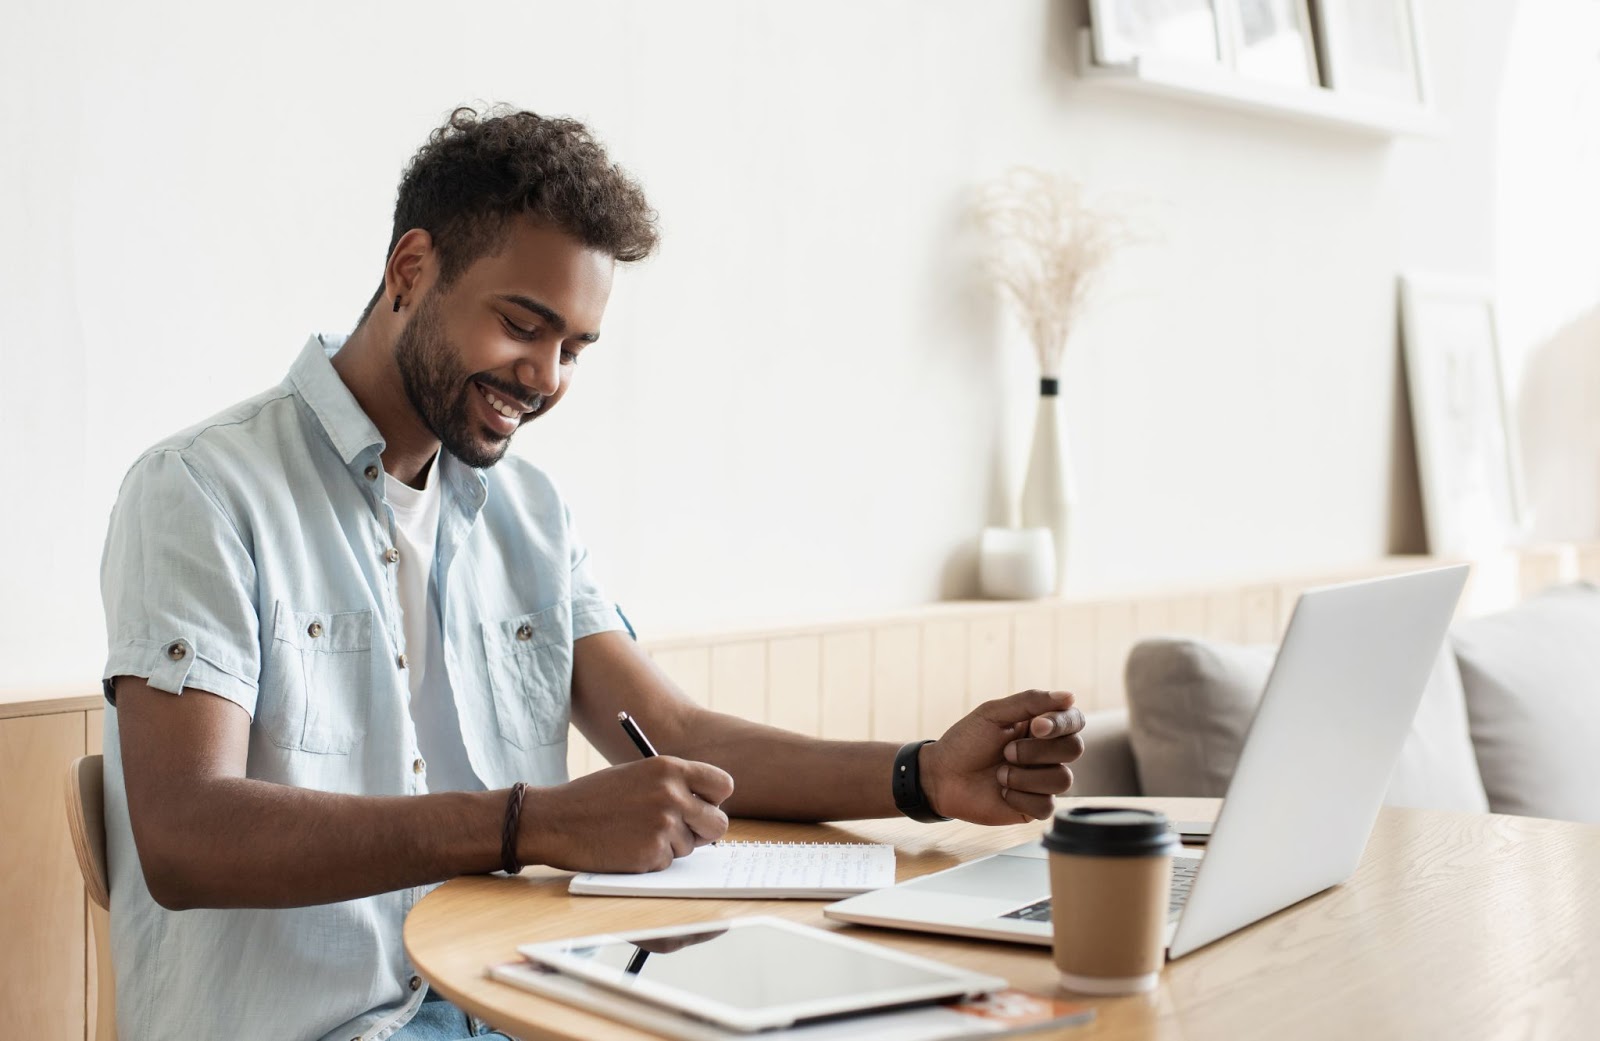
x=439 y=1020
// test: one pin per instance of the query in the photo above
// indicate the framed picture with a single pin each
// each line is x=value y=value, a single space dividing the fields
x=1372 y=47
x=1466 y=445
x=1271 y=40
x=1124 y=30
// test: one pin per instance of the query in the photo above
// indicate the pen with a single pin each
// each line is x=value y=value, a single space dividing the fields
x=640 y=742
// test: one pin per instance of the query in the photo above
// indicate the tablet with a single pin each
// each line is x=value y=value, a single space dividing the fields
x=758 y=973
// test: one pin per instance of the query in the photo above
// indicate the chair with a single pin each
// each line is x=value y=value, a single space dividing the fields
x=87 y=820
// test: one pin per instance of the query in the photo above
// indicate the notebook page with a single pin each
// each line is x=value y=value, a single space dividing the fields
x=778 y=867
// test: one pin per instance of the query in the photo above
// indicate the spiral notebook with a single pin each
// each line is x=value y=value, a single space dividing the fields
x=757 y=870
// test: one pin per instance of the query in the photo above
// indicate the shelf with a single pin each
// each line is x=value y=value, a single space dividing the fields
x=1212 y=85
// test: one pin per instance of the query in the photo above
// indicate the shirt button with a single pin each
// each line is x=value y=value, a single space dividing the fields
x=372 y=473
x=401 y=661
x=177 y=651
x=524 y=631
x=417 y=766
x=391 y=554
x=416 y=981
x=314 y=630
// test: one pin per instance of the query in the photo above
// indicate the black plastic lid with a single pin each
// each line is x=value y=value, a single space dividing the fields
x=1111 y=831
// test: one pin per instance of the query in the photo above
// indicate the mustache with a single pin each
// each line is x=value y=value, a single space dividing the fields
x=520 y=395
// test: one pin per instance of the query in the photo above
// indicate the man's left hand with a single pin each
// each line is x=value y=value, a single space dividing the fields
x=1005 y=760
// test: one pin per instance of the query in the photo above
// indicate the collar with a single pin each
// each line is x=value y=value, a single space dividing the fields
x=353 y=434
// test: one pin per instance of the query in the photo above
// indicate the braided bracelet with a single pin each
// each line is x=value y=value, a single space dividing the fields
x=508 y=839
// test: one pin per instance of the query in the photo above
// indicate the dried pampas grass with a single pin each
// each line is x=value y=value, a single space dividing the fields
x=1047 y=246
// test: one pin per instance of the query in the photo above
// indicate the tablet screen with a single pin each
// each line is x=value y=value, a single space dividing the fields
x=756 y=967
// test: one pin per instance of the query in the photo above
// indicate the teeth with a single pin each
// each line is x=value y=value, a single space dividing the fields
x=501 y=407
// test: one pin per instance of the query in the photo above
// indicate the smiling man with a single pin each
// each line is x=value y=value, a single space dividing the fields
x=348 y=635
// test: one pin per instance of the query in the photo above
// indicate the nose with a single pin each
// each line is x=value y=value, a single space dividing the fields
x=540 y=371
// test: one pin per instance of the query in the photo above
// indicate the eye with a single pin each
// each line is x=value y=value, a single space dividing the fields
x=569 y=357
x=518 y=331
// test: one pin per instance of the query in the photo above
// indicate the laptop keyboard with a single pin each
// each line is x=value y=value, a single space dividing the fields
x=1182 y=881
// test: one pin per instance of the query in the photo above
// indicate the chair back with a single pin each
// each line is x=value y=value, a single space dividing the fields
x=86 y=819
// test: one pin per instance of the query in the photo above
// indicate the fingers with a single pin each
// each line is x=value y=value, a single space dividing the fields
x=1032 y=807
x=711 y=784
x=1055 y=724
x=1020 y=707
x=1035 y=780
x=707 y=823
x=1034 y=752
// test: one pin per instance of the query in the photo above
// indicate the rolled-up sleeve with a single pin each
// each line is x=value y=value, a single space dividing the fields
x=178 y=584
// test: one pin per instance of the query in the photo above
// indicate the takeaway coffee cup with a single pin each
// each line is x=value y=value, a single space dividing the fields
x=1110 y=877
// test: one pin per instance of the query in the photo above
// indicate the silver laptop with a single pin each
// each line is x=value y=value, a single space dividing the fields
x=1305 y=794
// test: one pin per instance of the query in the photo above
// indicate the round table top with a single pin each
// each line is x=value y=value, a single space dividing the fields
x=1454 y=926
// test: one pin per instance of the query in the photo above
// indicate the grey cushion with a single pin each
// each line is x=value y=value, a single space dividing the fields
x=1191 y=701
x=1106 y=766
x=1532 y=678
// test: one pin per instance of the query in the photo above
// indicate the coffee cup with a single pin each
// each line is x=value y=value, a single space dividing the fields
x=1110 y=880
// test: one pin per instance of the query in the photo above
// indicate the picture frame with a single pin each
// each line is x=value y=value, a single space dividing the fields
x=1372 y=48
x=1122 y=31
x=1271 y=40
x=1466 y=444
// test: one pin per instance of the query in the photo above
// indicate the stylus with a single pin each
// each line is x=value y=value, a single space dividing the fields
x=640 y=742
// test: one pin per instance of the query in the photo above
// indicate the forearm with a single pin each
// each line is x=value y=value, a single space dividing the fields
x=236 y=842
x=781 y=775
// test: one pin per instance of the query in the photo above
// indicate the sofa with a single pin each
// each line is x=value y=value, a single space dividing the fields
x=1509 y=721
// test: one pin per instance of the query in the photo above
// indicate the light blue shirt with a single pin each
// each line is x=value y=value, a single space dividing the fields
x=249 y=557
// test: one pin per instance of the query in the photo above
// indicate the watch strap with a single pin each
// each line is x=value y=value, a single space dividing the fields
x=909 y=797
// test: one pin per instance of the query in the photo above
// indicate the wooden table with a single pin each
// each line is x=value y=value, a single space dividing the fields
x=1455 y=926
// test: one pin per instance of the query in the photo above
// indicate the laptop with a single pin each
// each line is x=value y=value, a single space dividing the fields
x=1310 y=780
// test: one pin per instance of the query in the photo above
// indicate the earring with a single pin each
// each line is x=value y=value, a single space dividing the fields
x=397 y=305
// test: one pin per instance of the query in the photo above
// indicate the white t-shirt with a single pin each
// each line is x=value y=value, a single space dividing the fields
x=433 y=704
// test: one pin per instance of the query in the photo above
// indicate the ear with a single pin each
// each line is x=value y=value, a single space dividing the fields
x=411 y=268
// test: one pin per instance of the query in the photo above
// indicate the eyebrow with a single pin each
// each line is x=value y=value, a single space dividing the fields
x=527 y=303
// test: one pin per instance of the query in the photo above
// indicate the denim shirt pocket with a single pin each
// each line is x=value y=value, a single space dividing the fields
x=319 y=667
x=530 y=675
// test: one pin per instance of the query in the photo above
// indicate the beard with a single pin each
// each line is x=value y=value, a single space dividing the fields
x=437 y=386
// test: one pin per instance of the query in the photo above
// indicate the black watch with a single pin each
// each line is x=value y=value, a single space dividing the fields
x=909 y=798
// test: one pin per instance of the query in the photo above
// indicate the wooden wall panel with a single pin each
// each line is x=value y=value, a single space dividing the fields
x=93 y=744
x=1261 y=621
x=1225 y=616
x=794 y=684
x=944 y=675
x=988 y=660
x=1190 y=616
x=1113 y=636
x=739 y=679
x=1033 y=649
x=42 y=975
x=1154 y=617
x=1589 y=563
x=847 y=686
x=896 y=682
x=689 y=668
x=1076 y=662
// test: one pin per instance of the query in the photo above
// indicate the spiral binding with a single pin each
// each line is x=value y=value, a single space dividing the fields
x=769 y=844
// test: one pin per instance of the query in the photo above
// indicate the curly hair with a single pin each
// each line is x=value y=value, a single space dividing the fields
x=478 y=172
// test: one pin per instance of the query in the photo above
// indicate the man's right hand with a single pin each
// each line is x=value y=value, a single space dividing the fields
x=636 y=817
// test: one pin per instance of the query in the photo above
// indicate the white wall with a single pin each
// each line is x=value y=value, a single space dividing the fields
x=1548 y=258
x=803 y=404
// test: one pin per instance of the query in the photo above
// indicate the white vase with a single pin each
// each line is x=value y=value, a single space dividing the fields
x=1048 y=494
x=1016 y=563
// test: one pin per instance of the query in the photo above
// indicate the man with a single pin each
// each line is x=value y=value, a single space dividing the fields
x=379 y=629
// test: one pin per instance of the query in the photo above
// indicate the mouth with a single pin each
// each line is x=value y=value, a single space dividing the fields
x=503 y=413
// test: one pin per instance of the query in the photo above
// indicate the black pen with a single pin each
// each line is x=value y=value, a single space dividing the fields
x=640 y=742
